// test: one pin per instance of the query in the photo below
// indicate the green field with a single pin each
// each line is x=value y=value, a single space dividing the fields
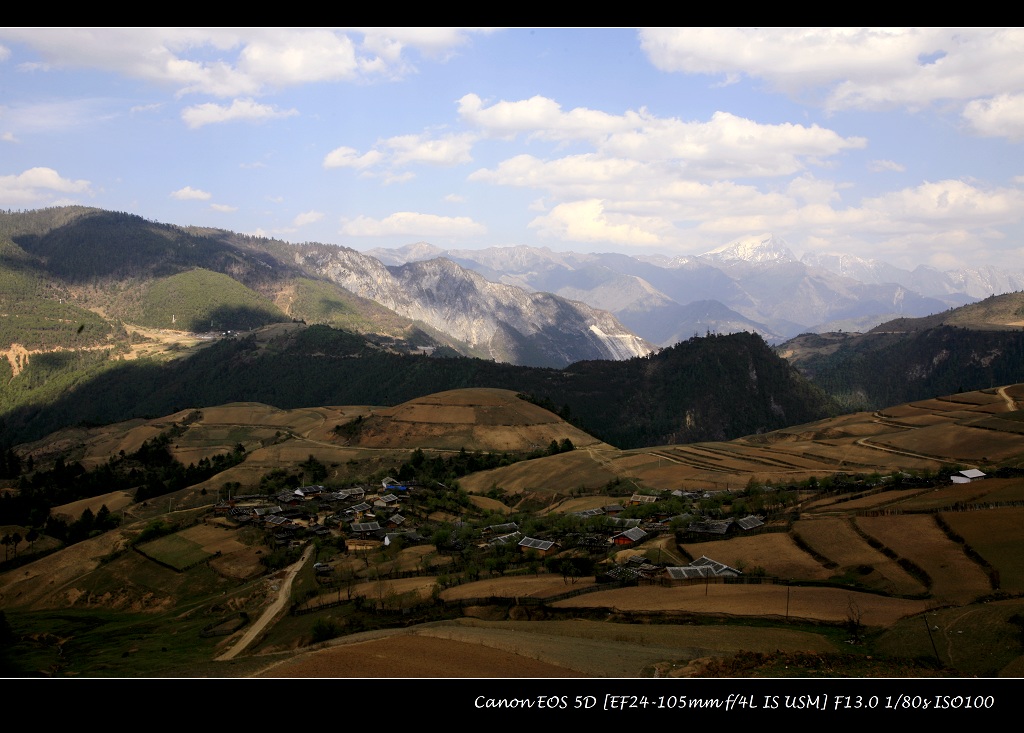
x=175 y=551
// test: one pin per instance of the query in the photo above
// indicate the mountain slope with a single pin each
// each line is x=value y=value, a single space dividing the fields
x=108 y=261
x=758 y=278
x=705 y=388
x=973 y=347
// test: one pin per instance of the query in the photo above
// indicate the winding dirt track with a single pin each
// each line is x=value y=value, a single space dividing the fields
x=274 y=610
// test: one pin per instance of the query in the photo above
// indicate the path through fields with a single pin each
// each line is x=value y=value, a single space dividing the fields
x=272 y=612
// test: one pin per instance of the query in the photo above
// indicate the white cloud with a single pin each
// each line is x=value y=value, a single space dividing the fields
x=945 y=204
x=403 y=150
x=587 y=221
x=445 y=151
x=454 y=198
x=850 y=67
x=879 y=166
x=190 y=194
x=4 y=53
x=224 y=208
x=350 y=158
x=408 y=223
x=240 y=109
x=1001 y=116
x=308 y=217
x=724 y=146
x=8 y=137
x=228 y=62
x=36 y=185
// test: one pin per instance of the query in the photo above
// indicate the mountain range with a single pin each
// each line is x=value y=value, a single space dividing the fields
x=98 y=306
x=752 y=284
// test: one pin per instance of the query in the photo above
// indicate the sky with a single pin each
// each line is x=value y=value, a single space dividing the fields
x=903 y=145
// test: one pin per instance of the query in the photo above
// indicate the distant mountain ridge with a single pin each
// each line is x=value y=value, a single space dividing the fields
x=760 y=285
x=110 y=262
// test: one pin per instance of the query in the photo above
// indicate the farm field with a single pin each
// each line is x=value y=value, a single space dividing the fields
x=775 y=552
x=765 y=600
x=835 y=538
x=517 y=649
x=804 y=605
x=955 y=578
x=998 y=536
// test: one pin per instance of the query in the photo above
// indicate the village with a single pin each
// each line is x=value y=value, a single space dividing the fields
x=365 y=519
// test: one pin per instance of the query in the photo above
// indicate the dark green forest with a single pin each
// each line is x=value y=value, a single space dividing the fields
x=706 y=388
x=880 y=369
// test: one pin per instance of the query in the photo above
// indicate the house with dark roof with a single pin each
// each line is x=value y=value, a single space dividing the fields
x=629 y=537
x=711 y=526
x=749 y=522
x=703 y=568
x=541 y=547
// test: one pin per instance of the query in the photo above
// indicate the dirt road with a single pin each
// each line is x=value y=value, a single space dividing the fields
x=273 y=611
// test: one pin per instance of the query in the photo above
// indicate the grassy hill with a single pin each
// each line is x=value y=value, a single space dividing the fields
x=200 y=300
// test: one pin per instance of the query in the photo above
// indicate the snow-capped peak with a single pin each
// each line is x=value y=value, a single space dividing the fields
x=760 y=248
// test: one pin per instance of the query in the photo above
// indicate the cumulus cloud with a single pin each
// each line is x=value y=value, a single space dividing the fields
x=307 y=217
x=1001 y=116
x=224 y=208
x=726 y=145
x=408 y=223
x=344 y=157
x=850 y=67
x=229 y=62
x=239 y=109
x=947 y=203
x=190 y=194
x=36 y=186
x=403 y=150
x=444 y=151
x=587 y=221
x=454 y=198
x=8 y=137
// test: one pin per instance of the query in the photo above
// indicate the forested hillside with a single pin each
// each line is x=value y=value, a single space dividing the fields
x=708 y=388
x=977 y=346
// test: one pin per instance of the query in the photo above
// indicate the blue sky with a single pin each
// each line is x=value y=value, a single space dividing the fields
x=896 y=144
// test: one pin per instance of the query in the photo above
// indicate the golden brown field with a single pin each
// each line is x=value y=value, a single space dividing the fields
x=519 y=649
x=835 y=538
x=998 y=536
x=115 y=501
x=917 y=537
x=774 y=551
x=767 y=600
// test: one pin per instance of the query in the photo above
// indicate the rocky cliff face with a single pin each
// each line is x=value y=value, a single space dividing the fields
x=499 y=321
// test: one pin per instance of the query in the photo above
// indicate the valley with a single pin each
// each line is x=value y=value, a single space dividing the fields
x=470 y=465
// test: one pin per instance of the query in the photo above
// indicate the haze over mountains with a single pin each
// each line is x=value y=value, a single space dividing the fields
x=754 y=284
x=94 y=304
